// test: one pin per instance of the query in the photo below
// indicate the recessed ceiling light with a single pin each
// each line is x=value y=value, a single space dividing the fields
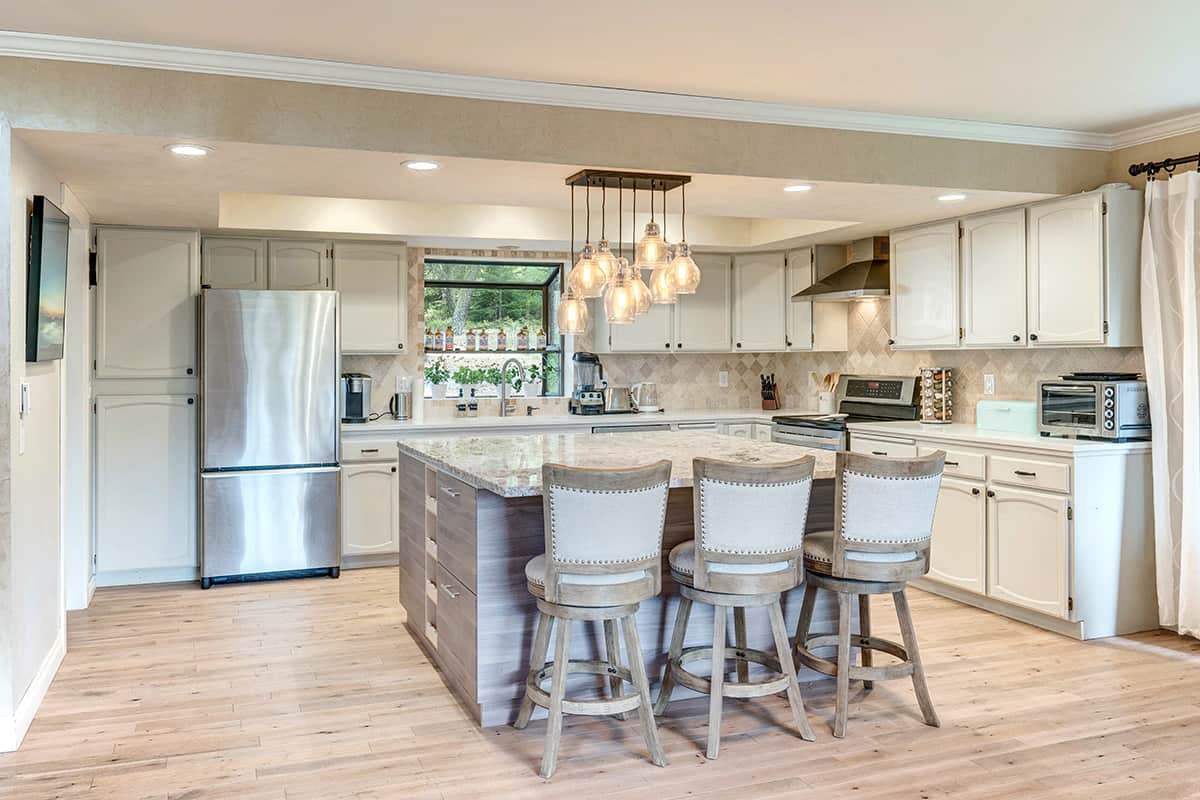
x=952 y=197
x=188 y=150
x=422 y=166
x=798 y=187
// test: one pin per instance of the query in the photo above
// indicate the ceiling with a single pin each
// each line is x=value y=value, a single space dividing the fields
x=1084 y=65
x=133 y=180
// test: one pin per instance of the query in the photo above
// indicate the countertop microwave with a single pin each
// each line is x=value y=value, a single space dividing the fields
x=1106 y=408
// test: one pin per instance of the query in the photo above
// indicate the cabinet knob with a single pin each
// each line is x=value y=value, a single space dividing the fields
x=189 y=370
x=1033 y=337
x=191 y=401
x=400 y=345
x=1016 y=337
x=975 y=490
x=667 y=345
x=679 y=345
x=991 y=493
x=393 y=469
x=739 y=344
x=891 y=342
x=788 y=342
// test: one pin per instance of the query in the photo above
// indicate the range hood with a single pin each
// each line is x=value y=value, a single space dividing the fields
x=868 y=274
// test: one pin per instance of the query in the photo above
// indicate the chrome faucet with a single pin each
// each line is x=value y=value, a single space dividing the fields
x=505 y=407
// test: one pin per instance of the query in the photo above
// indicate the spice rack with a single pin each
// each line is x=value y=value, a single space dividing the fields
x=936 y=396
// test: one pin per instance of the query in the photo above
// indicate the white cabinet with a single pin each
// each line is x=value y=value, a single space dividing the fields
x=298 y=264
x=146 y=287
x=1028 y=537
x=882 y=446
x=812 y=325
x=370 y=508
x=233 y=263
x=145 y=502
x=742 y=430
x=993 y=279
x=958 y=554
x=759 y=303
x=650 y=333
x=1066 y=271
x=924 y=287
x=800 y=275
x=373 y=281
x=703 y=320
x=762 y=432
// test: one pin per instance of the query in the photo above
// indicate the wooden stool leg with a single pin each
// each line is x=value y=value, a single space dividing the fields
x=739 y=639
x=682 y=614
x=717 y=681
x=910 y=646
x=612 y=647
x=864 y=630
x=784 y=649
x=637 y=670
x=806 y=614
x=558 y=688
x=541 y=646
x=843 y=665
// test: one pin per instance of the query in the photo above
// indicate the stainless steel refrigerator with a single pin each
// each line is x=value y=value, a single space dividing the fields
x=269 y=451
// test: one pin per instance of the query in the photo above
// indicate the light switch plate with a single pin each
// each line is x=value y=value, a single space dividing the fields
x=989 y=383
x=723 y=378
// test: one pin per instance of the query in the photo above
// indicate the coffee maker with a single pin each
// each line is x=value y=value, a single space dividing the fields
x=356 y=397
x=588 y=397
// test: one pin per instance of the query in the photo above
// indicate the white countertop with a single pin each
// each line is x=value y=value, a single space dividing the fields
x=968 y=434
x=498 y=424
x=511 y=466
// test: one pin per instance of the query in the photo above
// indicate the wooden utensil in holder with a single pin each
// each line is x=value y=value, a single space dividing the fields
x=936 y=396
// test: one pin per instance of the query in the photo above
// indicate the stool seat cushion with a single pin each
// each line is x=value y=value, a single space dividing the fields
x=535 y=574
x=818 y=553
x=683 y=564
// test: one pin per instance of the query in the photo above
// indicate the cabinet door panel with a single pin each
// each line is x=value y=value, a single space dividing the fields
x=1066 y=271
x=298 y=264
x=373 y=280
x=146 y=287
x=649 y=333
x=234 y=263
x=370 y=509
x=799 y=314
x=703 y=321
x=925 y=286
x=958 y=555
x=1028 y=535
x=145 y=482
x=759 y=314
x=993 y=279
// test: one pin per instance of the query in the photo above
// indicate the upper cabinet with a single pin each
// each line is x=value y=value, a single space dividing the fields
x=924 y=288
x=147 y=282
x=812 y=325
x=703 y=320
x=993 y=279
x=299 y=264
x=373 y=281
x=759 y=302
x=652 y=332
x=233 y=263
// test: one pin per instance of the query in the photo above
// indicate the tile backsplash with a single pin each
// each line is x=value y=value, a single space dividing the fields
x=691 y=381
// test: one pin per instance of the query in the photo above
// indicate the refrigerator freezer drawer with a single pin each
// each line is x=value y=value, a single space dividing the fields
x=269 y=521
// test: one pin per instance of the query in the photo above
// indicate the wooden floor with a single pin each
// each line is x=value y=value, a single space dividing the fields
x=312 y=689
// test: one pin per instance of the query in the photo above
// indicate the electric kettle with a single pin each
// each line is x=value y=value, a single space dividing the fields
x=645 y=396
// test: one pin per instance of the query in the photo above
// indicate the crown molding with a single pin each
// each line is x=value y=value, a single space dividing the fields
x=393 y=79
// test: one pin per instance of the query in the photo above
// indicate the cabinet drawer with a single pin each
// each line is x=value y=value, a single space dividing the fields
x=875 y=446
x=959 y=463
x=456 y=620
x=383 y=450
x=1050 y=475
x=456 y=528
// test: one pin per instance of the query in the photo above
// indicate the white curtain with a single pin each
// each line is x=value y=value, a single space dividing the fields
x=1171 y=336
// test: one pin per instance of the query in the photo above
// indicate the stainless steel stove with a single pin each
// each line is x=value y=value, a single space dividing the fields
x=863 y=398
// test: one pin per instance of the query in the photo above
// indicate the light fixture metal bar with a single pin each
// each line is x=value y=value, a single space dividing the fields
x=612 y=179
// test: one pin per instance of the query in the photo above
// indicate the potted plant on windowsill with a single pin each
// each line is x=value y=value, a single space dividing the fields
x=436 y=375
x=533 y=381
x=466 y=378
x=492 y=376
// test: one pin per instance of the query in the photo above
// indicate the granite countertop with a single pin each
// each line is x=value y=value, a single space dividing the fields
x=511 y=466
x=494 y=422
x=968 y=434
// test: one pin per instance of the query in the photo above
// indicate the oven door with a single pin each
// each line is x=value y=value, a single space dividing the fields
x=1069 y=407
x=832 y=440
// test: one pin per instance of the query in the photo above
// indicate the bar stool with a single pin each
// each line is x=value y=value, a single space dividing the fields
x=883 y=521
x=749 y=522
x=604 y=531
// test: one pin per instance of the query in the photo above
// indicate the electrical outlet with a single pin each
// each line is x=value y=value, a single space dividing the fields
x=989 y=383
x=723 y=378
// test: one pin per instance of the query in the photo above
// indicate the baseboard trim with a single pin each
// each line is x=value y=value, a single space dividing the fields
x=371 y=560
x=25 y=711
x=1074 y=629
x=129 y=577
x=91 y=589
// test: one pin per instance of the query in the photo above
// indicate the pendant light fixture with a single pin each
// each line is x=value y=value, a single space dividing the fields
x=605 y=260
x=641 y=292
x=572 y=314
x=620 y=300
x=588 y=277
x=685 y=275
x=651 y=248
x=662 y=287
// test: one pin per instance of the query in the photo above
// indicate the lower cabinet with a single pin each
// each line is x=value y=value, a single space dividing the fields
x=742 y=430
x=370 y=509
x=958 y=554
x=1027 y=549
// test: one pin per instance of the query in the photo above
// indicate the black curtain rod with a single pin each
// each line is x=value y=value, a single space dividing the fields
x=1168 y=164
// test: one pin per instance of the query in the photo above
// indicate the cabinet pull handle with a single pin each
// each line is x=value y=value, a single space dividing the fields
x=1024 y=473
x=951 y=463
x=369 y=450
x=991 y=493
x=879 y=452
x=450 y=491
x=453 y=595
x=975 y=490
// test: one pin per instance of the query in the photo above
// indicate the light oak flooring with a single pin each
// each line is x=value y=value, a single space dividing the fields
x=313 y=689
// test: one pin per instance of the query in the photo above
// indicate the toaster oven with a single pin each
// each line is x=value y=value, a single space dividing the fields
x=1094 y=409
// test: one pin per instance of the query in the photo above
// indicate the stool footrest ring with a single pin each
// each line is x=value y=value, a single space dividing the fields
x=828 y=666
x=743 y=689
x=600 y=707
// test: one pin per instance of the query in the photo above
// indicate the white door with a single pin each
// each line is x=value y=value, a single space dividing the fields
x=703 y=321
x=925 y=286
x=958 y=555
x=759 y=314
x=145 y=472
x=298 y=264
x=993 y=279
x=233 y=263
x=1066 y=271
x=799 y=314
x=1028 y=534
x=370 y=509
x=146 y=287
x=373 y=280
x=649 y=333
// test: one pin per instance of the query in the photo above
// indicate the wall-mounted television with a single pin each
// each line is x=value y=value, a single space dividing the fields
x=46 y=288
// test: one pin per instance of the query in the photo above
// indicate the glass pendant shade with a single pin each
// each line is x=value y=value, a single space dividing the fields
x=662 y=288
x=651 y=248
x=606 y=261
x=587 y=278
x=620 y=302
x=685 y=275
x=641 y=291
x=572 y=315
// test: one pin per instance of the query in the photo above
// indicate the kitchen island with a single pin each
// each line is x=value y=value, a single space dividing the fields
x=471 y=517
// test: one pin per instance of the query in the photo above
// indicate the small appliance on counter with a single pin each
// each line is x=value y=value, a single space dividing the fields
x=936 y=394
x=356 y=397
x=401 y=404
x=865 y=398
x=588 y=397
x=619 y=400
x=645 y=397
x=1007 y=416
x=1095 y=405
